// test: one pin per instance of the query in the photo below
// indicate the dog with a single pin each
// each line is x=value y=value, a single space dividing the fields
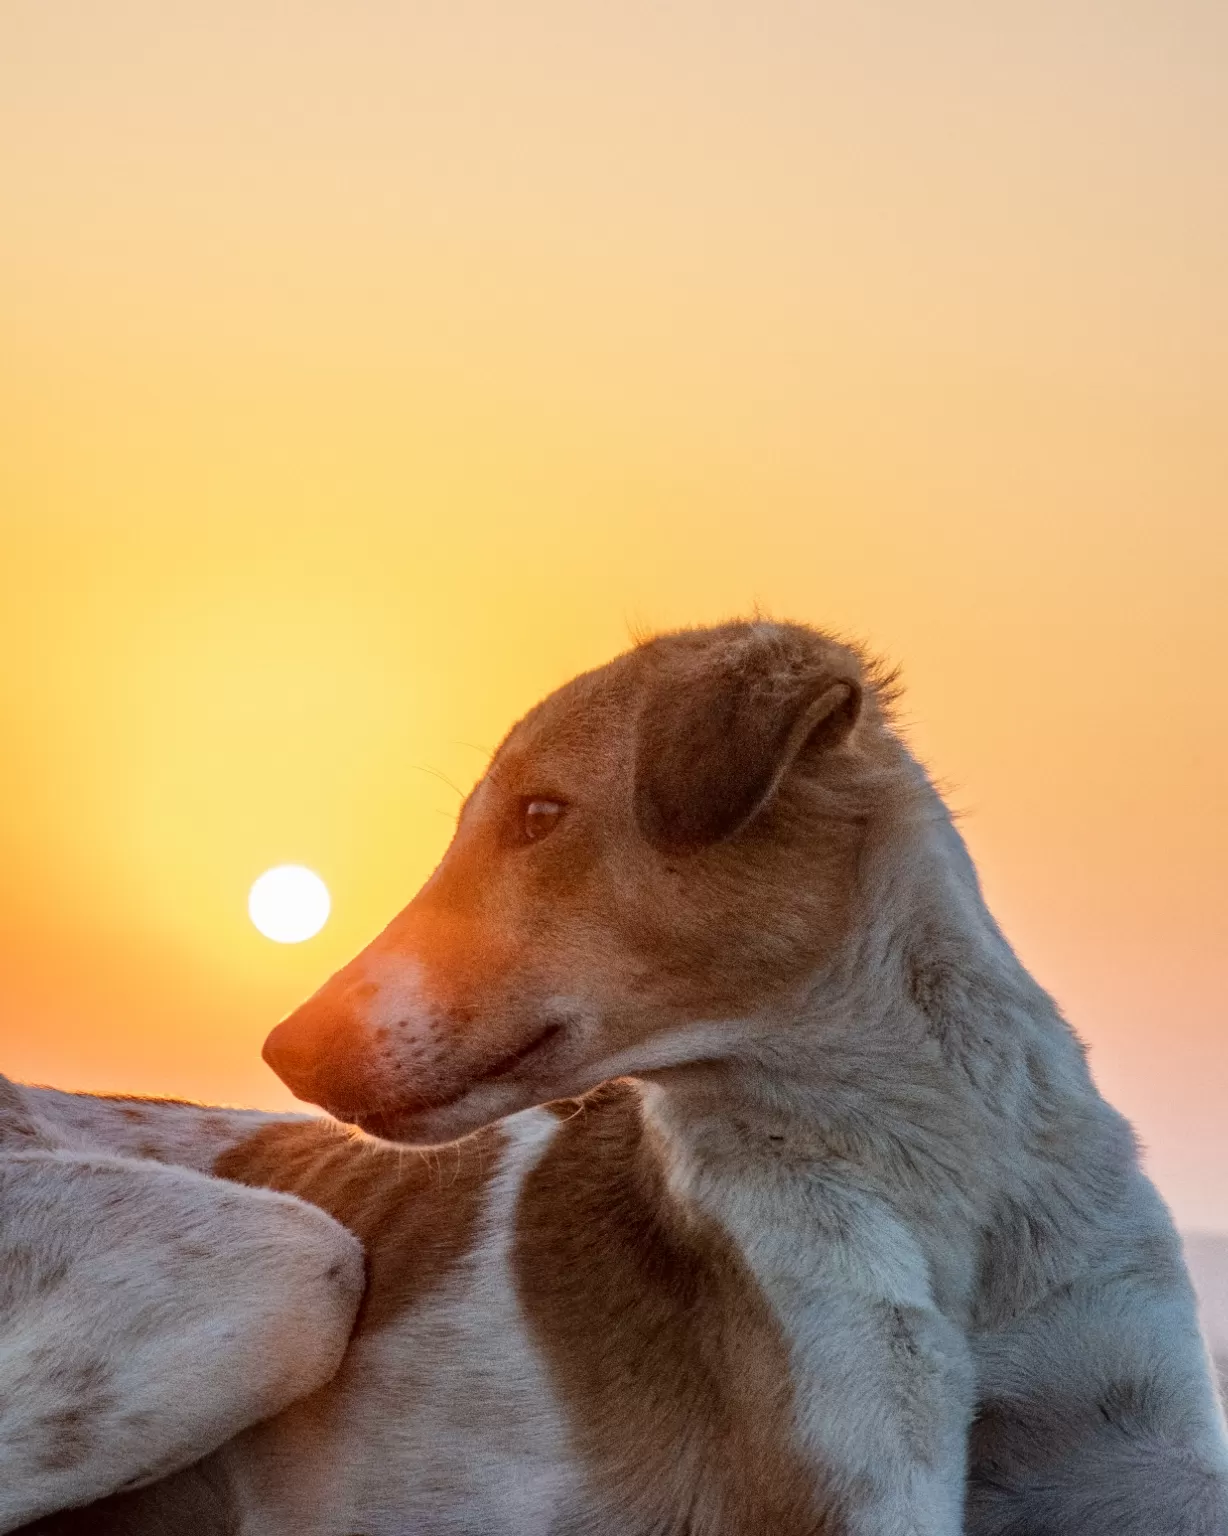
x=719 y=1166
x=147 y=1314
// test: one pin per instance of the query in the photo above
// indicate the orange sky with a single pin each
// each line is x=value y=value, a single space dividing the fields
x=369 y=369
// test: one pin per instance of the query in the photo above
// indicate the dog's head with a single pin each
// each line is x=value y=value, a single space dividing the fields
x=658 y=860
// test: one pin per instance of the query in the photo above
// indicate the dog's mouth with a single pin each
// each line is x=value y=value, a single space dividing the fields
x=386 y=1123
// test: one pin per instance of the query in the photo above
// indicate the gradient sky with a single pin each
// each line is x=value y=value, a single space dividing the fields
x=367 y=370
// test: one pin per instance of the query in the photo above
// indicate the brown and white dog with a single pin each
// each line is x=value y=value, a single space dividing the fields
x=765 y=1191
x=148 y=1314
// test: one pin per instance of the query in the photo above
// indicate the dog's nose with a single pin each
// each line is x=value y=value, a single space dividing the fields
x=291 y=1050
x=320 y=1054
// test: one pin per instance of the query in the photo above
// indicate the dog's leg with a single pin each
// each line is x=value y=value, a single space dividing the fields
x=147 y=1314
x=883 y=1381
x=885 y=1409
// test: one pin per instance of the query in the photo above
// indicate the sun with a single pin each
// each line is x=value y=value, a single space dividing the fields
x=289 y=903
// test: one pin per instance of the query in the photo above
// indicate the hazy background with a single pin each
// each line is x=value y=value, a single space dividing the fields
x=368 y=369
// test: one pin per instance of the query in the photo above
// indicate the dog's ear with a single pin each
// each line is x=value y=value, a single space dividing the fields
x=718 y=733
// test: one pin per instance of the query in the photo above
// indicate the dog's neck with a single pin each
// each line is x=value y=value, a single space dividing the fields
x=914 y=1063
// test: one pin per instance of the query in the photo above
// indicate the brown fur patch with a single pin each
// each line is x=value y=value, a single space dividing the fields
x=672 y=1368
x=68 y=1436
x=416 y=1213
x=28 y=1270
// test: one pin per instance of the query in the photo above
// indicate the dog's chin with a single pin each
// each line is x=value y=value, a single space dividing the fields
x=433 y=1125
x=518 y=1080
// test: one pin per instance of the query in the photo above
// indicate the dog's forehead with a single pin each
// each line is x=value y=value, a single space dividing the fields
x=585 y=726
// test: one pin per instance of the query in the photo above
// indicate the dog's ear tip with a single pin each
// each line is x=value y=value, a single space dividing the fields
x=835 y=713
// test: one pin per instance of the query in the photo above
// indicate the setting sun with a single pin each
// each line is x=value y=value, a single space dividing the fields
x=289 y=904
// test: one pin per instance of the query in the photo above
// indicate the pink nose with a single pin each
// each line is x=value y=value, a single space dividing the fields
x=320 y=1053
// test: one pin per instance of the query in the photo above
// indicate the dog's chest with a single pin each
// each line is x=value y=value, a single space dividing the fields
x=600 y=1360
x=443 y=1418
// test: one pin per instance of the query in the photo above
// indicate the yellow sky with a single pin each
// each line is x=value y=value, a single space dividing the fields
x=367 y=370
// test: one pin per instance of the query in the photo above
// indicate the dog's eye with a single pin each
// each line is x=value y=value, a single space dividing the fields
x=539 y=818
